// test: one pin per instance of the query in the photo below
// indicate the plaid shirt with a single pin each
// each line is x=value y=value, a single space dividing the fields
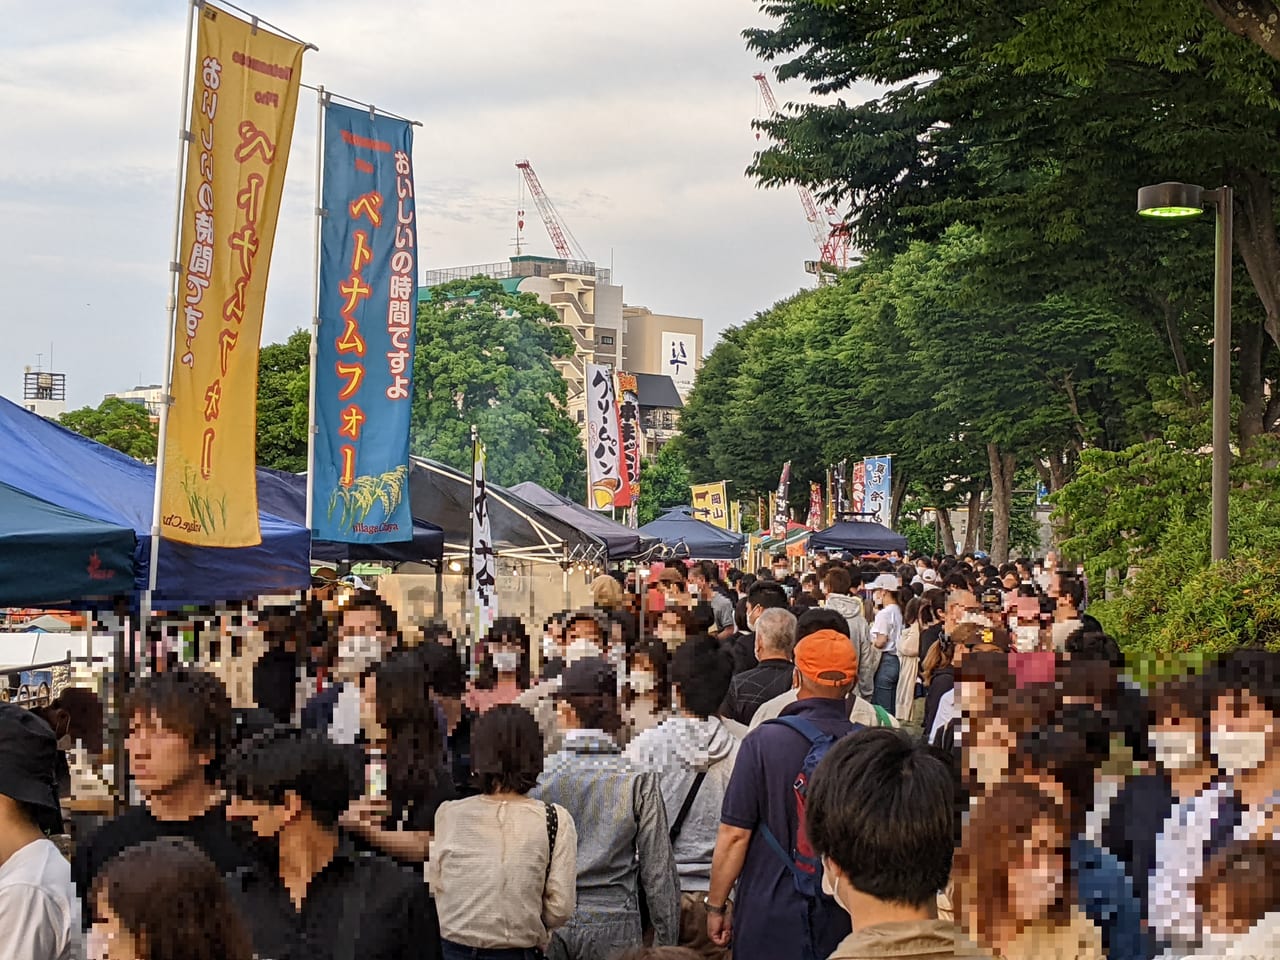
x=758 y=685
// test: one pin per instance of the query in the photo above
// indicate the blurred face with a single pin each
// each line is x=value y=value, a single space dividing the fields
x=359 y=623
x=108 y=938
x=670 y=629
x=1036 y=880
x=161 y=759
x=1243 y=733
x=1010 y=581
x=584 y=629
x=1176 y=741
x=959 y=604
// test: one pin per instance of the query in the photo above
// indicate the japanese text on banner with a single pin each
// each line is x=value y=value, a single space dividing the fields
x=368 y=307
x=879 y=486
x=245 y=93
x=484 y=560
x=606 y=466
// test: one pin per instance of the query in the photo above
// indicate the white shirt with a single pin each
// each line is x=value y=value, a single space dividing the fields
x=946 y=713
x=1179 y=862
x=888 y=623
x=39 y=910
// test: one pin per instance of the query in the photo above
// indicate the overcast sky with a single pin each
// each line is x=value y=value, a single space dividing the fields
x=635 y=115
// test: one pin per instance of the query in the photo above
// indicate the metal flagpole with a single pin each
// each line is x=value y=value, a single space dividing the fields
x=321 y=100
x=471 y=548
x=175 y=272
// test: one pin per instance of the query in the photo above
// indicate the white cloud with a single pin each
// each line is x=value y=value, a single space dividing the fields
x=636 y=116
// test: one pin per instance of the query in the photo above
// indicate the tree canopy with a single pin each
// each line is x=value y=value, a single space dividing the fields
x=283 y=385
x=119 y=424
x=486 y=357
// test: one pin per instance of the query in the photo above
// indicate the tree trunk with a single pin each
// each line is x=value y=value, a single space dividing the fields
x=1255 y=20
x=1253 y=403
x=973 y=526
x=897 y=492
x=1255 y=233
x=1002 y=466
x=947 y=532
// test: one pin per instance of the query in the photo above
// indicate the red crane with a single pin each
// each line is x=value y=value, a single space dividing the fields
x=562 y=238
x=830 y=235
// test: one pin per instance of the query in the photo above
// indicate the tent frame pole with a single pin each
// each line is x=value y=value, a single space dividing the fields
x=322 y=99
x=175 y=275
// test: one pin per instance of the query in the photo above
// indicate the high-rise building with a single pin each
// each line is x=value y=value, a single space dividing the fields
x=604 y=330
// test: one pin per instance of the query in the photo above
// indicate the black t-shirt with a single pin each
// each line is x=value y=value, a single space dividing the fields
x=220 y=841
x=360 y=906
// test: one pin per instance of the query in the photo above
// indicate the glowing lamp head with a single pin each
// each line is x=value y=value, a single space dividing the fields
x=1171 y=201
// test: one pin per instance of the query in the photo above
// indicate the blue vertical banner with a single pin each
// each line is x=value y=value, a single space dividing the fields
x=878 y=492
x=367 y=307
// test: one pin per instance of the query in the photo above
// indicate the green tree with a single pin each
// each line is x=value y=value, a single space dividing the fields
x=486 y=357
x=118 y=424
x=664 y=481
x=284 y=371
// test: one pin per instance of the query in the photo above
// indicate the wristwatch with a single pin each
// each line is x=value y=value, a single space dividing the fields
x=719 y=911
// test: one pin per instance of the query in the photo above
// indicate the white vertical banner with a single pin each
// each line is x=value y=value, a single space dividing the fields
x=879 y=488
x=484 y=571
x=680 y=359
x=607 y=485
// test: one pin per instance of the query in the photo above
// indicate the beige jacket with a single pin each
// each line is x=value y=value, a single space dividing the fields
x=914 y=940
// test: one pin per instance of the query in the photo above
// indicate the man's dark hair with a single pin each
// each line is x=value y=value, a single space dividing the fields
x=1252 y=670
x=703 y=670
x=446 y=674
x=881 y=806
x=1095 y=645
x=709 y=569
x=767 y=594
x=837 y=580
x=1072 y=587
x=820 y=618
x=955 y=581
x=740 y=615
x=506 y=750
x=325 y=776
x=366 y=599
x=193 y=703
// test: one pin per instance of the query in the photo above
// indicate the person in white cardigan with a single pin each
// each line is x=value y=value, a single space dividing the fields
x=503 y=866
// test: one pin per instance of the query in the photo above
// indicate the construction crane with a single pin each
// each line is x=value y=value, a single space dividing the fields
x=566 y=244
x=830 y=234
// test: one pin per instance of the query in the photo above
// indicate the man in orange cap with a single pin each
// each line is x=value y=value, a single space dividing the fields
x=779 y=910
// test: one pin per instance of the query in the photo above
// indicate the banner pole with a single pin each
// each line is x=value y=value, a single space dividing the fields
x=315 y=313
x=473 y=600
x=175 y=272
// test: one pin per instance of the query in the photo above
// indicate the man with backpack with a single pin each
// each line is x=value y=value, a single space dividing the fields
x=779 y=909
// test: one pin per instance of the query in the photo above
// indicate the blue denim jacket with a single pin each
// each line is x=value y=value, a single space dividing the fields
x=1105 y=893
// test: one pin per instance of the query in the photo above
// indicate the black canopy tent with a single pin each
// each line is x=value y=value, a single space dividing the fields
x=622 y=542
x=520 y=530
x=686 y=536
x=858 y=536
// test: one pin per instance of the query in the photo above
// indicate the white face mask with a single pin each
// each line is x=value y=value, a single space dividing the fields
x=550 y=648
x=1026 y=639
x=1175 y=749
x=96 y=944
x=830 y=882
x=1239 y=750
x=642 y=681
x=1034 y=890
x=616 y=655
x=506 y=661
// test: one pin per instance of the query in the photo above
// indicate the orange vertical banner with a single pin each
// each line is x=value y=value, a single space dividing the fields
x=244 y=97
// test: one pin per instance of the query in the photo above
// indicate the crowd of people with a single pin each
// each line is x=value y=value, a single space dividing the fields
x=881 y=757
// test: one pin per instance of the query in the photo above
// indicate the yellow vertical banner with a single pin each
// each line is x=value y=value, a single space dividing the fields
x=710 y=503
x=244 y=97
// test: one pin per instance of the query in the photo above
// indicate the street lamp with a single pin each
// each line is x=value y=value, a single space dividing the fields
x=1183 y=201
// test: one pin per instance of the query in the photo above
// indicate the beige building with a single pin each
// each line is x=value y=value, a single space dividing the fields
x=604 y=330
x=664 y=345
x=150 y=396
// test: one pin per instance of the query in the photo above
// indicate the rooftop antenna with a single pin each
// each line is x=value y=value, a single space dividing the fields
x=39 y=362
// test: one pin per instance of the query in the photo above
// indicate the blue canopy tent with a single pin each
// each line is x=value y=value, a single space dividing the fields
x=52 y=555
x=623 y=543
x=858 y=536
x=285 y=495
x=73 y=472
x=687 y=536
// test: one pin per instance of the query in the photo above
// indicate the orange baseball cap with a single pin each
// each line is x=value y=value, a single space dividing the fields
x=827 y=657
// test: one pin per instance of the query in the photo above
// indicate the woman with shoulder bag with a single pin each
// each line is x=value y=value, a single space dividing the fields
x=503 y=866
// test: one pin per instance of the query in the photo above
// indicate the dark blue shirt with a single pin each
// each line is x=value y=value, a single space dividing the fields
x=770 y=917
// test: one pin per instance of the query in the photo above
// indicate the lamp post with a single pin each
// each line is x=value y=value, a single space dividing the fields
x=1180 y=201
